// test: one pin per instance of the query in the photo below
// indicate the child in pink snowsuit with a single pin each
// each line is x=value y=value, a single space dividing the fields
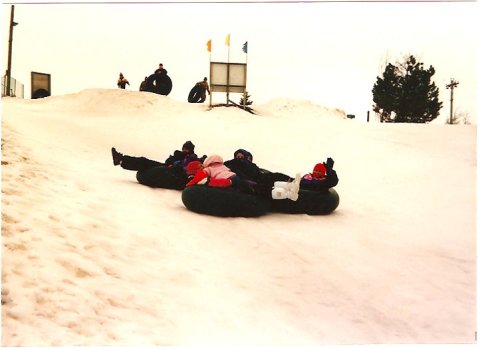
x=214 y=172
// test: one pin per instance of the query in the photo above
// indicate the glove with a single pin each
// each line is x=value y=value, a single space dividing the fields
x=329 y=163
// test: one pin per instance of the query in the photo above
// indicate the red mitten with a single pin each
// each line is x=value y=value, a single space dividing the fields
x=220 y=182
x=199 y=178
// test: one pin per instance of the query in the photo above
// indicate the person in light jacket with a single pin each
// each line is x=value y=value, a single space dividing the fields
x=214 y=173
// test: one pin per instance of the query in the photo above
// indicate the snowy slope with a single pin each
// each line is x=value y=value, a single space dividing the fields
x=90 y=257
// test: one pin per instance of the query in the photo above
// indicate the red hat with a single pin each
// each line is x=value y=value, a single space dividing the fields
x=319 y=170
x=193 y=167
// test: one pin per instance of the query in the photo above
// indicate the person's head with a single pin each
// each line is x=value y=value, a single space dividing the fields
x=188 y=147
x=212 y=159
x=193 y=167
x=160 y=66
x=241 y=153
x=205 y=79
x=319 y=170
x=121 y=75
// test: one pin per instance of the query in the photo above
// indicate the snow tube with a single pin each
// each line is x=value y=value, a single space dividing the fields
x=195 y=95
x=223 y=202
x=163 y=177
x=162 y=85
x=309 y=202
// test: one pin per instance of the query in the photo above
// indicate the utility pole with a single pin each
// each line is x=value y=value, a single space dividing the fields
x=10 y=39
x=451 y=86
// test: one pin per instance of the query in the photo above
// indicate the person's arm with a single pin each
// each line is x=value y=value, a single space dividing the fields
x=200 y=177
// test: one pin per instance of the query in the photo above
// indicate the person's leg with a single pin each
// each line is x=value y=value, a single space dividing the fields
x=133 y=163
x=138 y=163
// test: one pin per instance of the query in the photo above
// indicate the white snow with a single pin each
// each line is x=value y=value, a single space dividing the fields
x=91 y=257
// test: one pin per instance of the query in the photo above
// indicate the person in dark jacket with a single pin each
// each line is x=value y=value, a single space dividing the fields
x=161 y=71
x=322 y=177
x=204 y=88
x=143 y=85
x=179 y=159
x=242 y=164
x=122 y=81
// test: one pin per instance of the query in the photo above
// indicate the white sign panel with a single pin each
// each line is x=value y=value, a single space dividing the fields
x=228 y=77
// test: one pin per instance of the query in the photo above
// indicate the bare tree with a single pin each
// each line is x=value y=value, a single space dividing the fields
x=461 y=117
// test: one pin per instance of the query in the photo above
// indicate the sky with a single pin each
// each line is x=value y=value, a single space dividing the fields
x=327 y=52
x=90 y=257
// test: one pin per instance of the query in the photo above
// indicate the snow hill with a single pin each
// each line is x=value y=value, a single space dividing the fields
x=91 y=257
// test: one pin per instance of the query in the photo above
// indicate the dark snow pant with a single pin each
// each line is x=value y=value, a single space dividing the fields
x=262 y=186
x=139 y=163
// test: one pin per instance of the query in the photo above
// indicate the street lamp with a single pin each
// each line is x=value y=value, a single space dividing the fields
x=10 y=39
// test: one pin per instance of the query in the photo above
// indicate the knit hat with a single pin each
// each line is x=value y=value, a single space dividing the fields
x=189 y=146
x=193 y=167
x=319 y=170
x=245 y=153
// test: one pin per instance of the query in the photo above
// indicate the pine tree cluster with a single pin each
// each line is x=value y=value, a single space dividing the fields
x=405 y=94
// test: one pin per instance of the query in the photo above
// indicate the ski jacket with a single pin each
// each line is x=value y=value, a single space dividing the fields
x=122 y=82
x=180 y=158
x=215 y=168
x=244 y=168
x=309 y=182
x=214 y=173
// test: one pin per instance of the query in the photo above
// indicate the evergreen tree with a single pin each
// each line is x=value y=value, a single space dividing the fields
x=405 y=93
x=247 y=100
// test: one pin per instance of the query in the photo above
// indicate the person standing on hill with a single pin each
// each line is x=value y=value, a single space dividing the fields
x=143 y=85
x=160 y=75
x=161 y=71
x=122 y=81
x=204 y=88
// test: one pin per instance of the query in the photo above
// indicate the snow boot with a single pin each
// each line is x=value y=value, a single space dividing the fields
x=117 y=157
x=281 y=184
x=294 y=187
x=284 y=190
x=279 y=193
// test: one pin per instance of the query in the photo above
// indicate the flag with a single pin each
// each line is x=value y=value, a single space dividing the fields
x=227 y=40
x=245 y=47
x=209 y=45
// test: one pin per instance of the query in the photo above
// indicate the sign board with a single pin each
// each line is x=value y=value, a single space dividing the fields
x=228 y=77
x=41 y=85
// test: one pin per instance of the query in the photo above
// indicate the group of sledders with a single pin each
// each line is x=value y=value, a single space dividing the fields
x=237 y=187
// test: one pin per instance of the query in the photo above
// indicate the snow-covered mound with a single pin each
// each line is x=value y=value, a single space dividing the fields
x=90 y=257
x=98 y=101
x=286 y=106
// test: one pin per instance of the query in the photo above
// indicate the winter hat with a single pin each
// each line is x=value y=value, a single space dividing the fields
x=212 y=160
x=319 y=170
x=193 y=167
x=189 y=146
x=245 y=154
